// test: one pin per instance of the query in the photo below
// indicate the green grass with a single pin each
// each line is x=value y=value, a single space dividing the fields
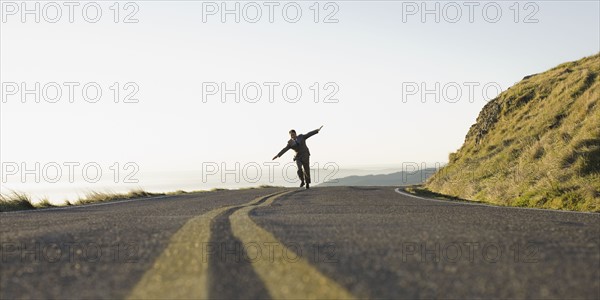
x=264 y=186
x=536 y=145
x=177 y=192
x=45 y=203
x=15 y=201
x=420 y=190
x=21 y=201
x=94 y=197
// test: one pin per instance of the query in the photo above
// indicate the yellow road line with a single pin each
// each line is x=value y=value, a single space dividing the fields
x=283 y=278
x=180 y=272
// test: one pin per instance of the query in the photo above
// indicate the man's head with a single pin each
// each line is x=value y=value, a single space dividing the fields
x=293 y=134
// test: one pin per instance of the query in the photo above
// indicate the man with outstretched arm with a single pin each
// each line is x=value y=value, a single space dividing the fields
x=298 y=144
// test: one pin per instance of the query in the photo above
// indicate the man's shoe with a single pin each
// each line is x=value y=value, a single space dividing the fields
x=302 y=184
x=307 y=185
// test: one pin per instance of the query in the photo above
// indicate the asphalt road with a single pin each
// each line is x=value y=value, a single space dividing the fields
x=323 y=243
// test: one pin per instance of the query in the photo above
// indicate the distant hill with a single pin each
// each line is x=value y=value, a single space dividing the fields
x=392 y=179
x=537 y=144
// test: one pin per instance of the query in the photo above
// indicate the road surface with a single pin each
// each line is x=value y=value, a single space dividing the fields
x=322 y=243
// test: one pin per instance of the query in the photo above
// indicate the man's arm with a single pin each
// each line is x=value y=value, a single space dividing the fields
x=313 y=132
x=284 y=150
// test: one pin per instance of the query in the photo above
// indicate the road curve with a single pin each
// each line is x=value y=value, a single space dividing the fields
x=330 y=242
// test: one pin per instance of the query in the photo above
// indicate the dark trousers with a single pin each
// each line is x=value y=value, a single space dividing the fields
x=303 y=163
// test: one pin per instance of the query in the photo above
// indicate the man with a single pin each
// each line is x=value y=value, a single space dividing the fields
x=298 y=144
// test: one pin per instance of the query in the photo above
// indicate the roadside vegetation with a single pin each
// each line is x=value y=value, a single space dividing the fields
x=536 y=145
x=21 y=201
x=419 y=190
x=15 y=201
x=95 y=197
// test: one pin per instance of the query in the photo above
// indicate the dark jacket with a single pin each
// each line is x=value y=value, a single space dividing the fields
x=299 y=145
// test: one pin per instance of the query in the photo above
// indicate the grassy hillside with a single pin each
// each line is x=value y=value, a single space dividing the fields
x=537 y=144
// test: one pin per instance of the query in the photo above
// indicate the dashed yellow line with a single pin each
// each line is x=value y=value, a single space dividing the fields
x=181 y=272
x=284 y=279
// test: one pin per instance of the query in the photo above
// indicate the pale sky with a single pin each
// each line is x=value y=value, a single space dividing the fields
x=367 y=57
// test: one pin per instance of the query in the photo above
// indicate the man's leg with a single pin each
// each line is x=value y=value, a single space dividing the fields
x=306 y=165
x=300 y=173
